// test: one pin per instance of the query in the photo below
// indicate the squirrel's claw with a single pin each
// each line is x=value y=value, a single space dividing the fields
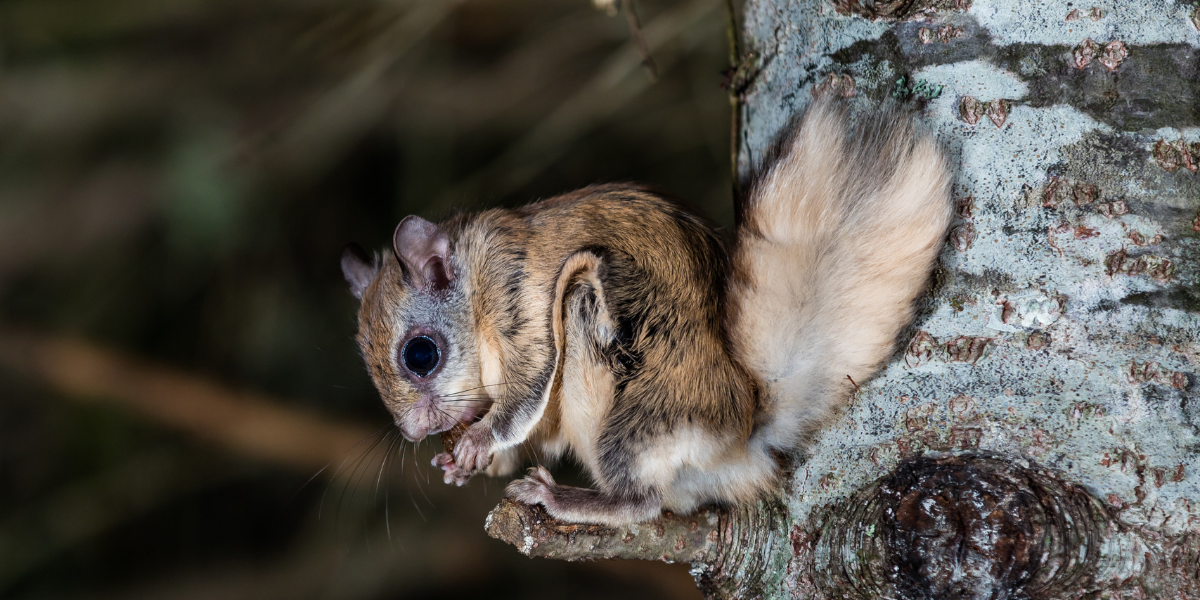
x=452 y=474
x=536 y=488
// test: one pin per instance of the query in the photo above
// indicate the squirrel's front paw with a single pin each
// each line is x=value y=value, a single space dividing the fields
x=474 y=451
x=536 y=488
x=452 y=474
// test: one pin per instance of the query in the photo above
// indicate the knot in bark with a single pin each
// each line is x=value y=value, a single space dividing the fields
x=963 y=527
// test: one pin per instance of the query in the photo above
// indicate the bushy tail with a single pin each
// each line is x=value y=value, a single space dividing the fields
x=836 y=240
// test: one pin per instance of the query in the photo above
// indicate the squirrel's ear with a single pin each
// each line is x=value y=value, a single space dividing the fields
x=424 y=249
x=358 y=268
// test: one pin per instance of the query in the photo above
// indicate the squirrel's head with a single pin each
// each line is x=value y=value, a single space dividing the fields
x=415 y=329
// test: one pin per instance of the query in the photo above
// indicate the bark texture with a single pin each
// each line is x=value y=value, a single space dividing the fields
x=1035 y=435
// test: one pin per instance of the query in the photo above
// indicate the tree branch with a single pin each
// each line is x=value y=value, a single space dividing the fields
x=670 y=538
x=729 y=548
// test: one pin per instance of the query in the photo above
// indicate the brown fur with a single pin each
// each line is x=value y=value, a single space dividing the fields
x=606 y=323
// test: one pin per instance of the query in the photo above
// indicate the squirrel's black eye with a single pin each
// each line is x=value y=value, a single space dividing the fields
x=420 y=355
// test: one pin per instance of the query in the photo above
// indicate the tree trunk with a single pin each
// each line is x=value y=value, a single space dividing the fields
x=1035 y=435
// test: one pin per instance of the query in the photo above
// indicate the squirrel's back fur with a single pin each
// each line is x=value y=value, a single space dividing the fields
x=836 y=240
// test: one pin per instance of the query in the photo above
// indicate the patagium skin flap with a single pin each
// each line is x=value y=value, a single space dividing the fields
x=613 y=324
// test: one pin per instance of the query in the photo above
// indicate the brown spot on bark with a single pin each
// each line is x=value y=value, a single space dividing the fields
x=962 y=236
x=800 y=540
x=1096 y=13
x=1138 y=239
x=1120 y=262
x=1160 y=476
x=943 y=34
x=1073 y=15
x=1142 y=373
x=997 y=111
x=1179 y=381
x=1161 y=269
x=1082 y=232
x=1113 y=209
x=1050 y=196
x=1172 y=155
x=965 y=207
x=1084 y=53
x=920 y=349
x=966 y=349
x=965 y=438
x=947 y=33
x=1158 y=268
x=838 y=85
x=1084 y=193
x=962 y=407
x=916 y=418
x=1008 y=312
x=970 y=109
x=1114 y=53
x=1057 y=190
x=1166 y=155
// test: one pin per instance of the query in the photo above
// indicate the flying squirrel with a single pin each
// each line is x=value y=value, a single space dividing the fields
x=612 y=324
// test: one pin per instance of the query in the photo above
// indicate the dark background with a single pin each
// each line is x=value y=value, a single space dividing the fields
x=177 y=181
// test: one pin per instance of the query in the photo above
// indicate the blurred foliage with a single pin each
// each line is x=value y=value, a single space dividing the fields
x=177 y=180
